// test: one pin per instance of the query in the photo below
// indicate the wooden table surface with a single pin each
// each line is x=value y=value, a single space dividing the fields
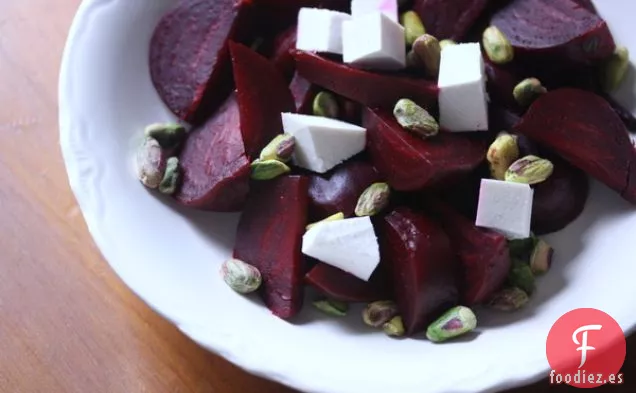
x=67 y=323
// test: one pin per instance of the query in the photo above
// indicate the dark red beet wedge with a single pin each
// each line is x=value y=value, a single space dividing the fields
x=339 y=285
x=483 y=254
x=464 y=196
x=551 y=33
x=262 y=94
x=583 y=128
x=449 y=18
x=626 y=116
x=269 y=236
x=411 y=163
x=216 y=171
x=189 y=57
x=365 y=87
x=282 y=58
x=304 y=93
x=423 y=266
x=339 y=190
x=559 y=200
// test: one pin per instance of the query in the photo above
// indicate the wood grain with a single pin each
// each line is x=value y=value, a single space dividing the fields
x=67 y=323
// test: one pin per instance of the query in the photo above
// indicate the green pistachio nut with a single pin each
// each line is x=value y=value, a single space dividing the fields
x=415 y=119
x=509 y=299
x=521 y=276
x=326 y=105
x=413 y=60
x=334 y=217
x=394 y=327
x=541 y=258
x=151 y=163
x=497 y=46
x=169 y=135
x=615 y=68
x=281 y=148
x=332 y=307
x=528 y=90
x=171 y=177
x=428 y=50
x=501 y=154
x=454 y=323
x=373 y=200
x=378 y=313
x=241 y=276
x=268 y=169
x=446 y=43
x=521 y=249
x=413 y=26
x=529 y=170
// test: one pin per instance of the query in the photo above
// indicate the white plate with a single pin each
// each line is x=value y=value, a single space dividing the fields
x=170 y=256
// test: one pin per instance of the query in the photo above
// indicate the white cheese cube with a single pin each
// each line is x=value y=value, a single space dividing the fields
x=363 y=7
x=350 y=245
x=323 y=143
x=320 y=30
x=374 y=41
x=463 y=102
x=505 y=207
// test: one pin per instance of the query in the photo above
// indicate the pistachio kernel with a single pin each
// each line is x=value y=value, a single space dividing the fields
x=501 y=154
x=171 y=177
x=615 y=69
x=169 y=135
x=522 y=248
x=378 y=313
x=509 y=299
x=413 y=60
x=373 y=200
x=241 y=276
x=416 y=119
x=455 y=322
x=282 y=143
x=446 y=43
x=394 y=327
x=529 y=170
x=528 y=90
x=334 y=217
x=429 y=52
x=541 y=258
x=332 y=307
x=326 y=105
x=521 y=276
x=497 y=46
x=413 y=26
x=268 y=169
x=151 y=163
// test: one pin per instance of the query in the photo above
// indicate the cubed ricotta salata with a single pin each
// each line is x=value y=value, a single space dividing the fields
x=364 y=7
x=350 y=245
x=374 y=41
x=323 y=143
x=505 y=207
x=463 y=102
x=320 y=30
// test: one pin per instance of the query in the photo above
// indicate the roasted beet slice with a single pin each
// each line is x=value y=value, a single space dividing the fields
x=583 y=128
x=483 y=253
x=554 y=32
x=189 y=57
x=410 y=163
x=339 y=190
x=269 y=236
x=304 y=93
x=464 y=196
x=216 y=170
x=262 y=95
x=367 y=88
x=625 y=115
x=449 y=18
x=423 y=266
x=282 y=58
x=559 y=200
x=340 y=285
